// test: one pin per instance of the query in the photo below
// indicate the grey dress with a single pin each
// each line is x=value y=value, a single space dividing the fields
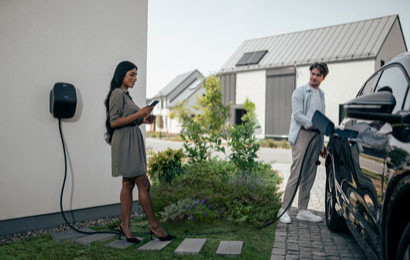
x=128 y=157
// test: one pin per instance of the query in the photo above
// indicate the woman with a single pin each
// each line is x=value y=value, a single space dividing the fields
x=128 y=149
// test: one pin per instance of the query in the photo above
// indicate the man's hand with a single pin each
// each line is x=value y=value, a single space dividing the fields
x=323 y=154
x=149 y=119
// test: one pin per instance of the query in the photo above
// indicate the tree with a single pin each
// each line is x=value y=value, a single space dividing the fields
x=243 y=141
x=202 y=133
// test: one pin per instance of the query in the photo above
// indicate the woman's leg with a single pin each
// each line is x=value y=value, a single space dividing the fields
x=144 y=186
x=128 y=185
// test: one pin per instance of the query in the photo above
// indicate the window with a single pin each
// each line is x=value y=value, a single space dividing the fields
x=394 y=78
x=369 y=85
x=239 y=113
x=251 y=58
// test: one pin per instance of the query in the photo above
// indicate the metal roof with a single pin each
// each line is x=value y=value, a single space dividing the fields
x=356 y=40
x=187 y=93
x=165 y=91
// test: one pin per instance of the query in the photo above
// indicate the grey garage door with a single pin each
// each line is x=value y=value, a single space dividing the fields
x=279 y=88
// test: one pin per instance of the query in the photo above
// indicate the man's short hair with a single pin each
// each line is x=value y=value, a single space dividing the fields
x=321 y=66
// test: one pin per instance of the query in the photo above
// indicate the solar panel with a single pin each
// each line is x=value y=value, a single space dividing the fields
x=250 y=58
x=244 y=59
x=257 y=57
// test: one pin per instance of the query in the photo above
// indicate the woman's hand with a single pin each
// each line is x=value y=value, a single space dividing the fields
x=145 y=111
x=149 y=119
x=142 y=113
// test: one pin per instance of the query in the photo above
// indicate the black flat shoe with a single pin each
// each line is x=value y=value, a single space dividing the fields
x=133 y=240
x=168 y=237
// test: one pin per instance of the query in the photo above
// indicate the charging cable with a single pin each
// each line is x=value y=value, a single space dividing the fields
x=118 y=233
x=62 y=192
x=297 y=185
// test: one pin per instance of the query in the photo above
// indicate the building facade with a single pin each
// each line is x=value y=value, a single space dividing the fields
x=44 y=42
x=183 y=88
x=267 y=70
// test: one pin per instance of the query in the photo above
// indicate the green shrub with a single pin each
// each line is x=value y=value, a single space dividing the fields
x=200 y=180
x=203 y=133
x=191 y=211
x=196 y=143
x=269 y=143
x=250 y=198
x=177 y=211
x=165 y=166
x=284 y=144
x=203 y=212
x=243 y=141
x=253 y=198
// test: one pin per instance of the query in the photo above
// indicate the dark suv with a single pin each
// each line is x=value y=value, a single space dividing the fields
x=368 y=165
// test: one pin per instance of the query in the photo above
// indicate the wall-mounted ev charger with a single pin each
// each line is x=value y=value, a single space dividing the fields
x=63 y=100
x=63 y=103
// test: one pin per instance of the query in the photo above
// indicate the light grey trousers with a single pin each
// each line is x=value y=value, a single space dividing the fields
x=309 y=168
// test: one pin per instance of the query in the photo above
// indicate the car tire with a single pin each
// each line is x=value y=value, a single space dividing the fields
x=403 y=250
x=334 y=222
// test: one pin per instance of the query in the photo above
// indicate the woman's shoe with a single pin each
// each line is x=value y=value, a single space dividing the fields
x=133 y=240
x=165 y=238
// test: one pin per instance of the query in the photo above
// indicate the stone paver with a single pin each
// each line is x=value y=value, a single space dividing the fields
x=229 y=248
x=306 y=240
x=88 y=240
x=122 y=243
x=155 y=244
x=69 y=234
x=190 y=246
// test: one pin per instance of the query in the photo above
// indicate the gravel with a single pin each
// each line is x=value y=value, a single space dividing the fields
x=4 y=240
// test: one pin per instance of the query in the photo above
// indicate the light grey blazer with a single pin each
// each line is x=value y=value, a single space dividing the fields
x=300 y=102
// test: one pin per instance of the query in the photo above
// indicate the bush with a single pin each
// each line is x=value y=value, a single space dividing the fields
x=191 y=211
x=203 y=133
x=250 y=198
x=242 y=140
x=165 y=166
x=177 y=211
x=269 y=143
x=253 y=198
x=284 y=144
x=200 y=180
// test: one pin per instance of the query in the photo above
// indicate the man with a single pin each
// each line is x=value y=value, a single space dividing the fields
x=306 y=100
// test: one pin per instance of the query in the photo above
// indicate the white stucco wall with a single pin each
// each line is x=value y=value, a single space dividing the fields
x=48 y=41
x=252 y=85
x=342 y=83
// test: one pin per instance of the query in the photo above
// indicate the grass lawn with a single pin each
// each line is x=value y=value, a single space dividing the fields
x=257 y=244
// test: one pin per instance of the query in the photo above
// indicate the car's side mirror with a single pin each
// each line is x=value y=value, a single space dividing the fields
x=375 y=106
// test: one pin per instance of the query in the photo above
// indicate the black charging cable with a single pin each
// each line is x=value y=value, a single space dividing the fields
x=62 y=192
x=297 y=185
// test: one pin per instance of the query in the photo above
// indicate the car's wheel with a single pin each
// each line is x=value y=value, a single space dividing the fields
x=333 y=220
x=403 y=250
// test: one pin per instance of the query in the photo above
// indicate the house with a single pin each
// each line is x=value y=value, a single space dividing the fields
x=267 y=70
x=44 y=42
x=183 y=88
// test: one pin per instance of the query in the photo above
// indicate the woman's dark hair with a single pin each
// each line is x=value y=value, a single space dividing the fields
x=322 y=67
x=116 y=82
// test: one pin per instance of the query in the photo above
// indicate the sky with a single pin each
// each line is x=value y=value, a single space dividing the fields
x=184 y=35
